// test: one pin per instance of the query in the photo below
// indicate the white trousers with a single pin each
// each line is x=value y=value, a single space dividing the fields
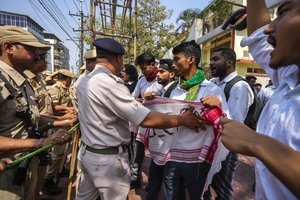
x=107 y=176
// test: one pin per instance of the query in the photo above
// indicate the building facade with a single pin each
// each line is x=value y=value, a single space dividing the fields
x=59 y=56
x=14 y=19
x=215 y=37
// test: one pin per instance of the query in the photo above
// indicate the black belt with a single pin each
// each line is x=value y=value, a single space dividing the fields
x=107 y=151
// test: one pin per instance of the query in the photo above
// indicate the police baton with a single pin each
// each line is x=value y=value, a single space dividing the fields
x=19 y=160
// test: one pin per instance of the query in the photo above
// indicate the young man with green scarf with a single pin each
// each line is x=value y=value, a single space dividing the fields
x=186 y=169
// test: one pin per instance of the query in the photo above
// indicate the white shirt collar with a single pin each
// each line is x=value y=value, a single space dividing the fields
x=229 y=77
x=167 y=86
x=102 y=68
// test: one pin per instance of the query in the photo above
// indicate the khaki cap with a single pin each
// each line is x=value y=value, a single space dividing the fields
x=91 y=54
x=66 y=72
x=54 y=74
x=83 y=67
x=17 y=34
x=48 y=78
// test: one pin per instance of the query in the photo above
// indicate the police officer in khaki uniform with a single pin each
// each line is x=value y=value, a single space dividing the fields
x=62 y=105
x=59 y=92
x=45 y=107
x=19 y=110
x=105 y=107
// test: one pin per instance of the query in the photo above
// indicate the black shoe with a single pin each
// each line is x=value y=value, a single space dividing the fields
x=50 y=188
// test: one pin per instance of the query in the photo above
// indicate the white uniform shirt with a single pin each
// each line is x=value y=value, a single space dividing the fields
x=80 y=78
x=240 y=99
x=280 y=116
x=105 y=107
x=143 y=86
x=265 y=94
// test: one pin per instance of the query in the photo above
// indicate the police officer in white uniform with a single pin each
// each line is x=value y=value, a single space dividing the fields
x=105 y=108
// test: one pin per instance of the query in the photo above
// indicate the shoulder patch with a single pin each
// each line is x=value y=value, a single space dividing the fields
x=4 y=93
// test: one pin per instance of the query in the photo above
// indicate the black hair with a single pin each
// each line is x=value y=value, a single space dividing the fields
x=228 y=53
x=250 y=77
x=103 y=53
x=258 y=84
x=145 y=58
x=62 y=77
x=166 y=61
x=131 y=71
x=189 y=49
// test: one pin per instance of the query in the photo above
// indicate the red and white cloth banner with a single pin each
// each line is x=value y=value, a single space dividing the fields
x=181 y=144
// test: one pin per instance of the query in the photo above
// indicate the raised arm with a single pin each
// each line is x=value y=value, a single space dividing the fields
x=257 y=15
x=280 y=159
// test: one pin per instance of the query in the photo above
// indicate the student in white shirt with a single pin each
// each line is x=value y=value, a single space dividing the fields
x=276 y=49
x=241 y=97
x=148 y=83
x=187 y=167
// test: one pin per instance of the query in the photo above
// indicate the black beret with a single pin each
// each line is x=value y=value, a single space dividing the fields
x=110 y=45
x=167 y=67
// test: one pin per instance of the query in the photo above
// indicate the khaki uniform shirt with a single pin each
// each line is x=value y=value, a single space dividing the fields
x=59 y=95
x=73 y=88
x=42 y=95
x=105 y=106
x=10 y=124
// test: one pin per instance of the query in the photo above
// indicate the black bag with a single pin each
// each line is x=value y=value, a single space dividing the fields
x=254 y=110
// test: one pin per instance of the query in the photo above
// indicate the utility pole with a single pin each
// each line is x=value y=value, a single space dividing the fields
x=81 y=33
x=81 y=30
x=92 y=22
x=135 y=30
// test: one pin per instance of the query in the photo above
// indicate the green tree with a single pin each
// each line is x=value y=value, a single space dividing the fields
x=153 y=34
x=186 y=19
x=221 y=10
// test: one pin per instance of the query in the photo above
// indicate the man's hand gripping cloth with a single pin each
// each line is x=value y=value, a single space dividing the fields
x=181 y=144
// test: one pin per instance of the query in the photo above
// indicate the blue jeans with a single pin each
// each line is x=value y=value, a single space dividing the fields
x=190 y=175
x=155 y=180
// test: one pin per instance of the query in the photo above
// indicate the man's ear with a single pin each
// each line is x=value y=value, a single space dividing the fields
x=152 y=65
x=229 y=63
x=8 y=47
x=119 y=59
x=172 y=75
x=191 y=60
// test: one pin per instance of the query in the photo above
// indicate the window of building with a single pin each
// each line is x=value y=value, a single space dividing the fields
x=8 y=20
x=13 y=20
x=22 y=22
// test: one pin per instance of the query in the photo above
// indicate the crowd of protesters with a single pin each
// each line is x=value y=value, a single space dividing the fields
x=112 y=105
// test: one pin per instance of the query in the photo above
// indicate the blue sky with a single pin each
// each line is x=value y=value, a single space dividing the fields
x=32 y=7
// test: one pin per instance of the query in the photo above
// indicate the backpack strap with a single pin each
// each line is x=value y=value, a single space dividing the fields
x=230 y=84
x=170 y=89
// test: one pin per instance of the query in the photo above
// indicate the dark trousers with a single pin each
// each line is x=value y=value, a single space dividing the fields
x=155 y=180
x=190 y=175
x=222 y=181
x=139 y=154
x=131 y=147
